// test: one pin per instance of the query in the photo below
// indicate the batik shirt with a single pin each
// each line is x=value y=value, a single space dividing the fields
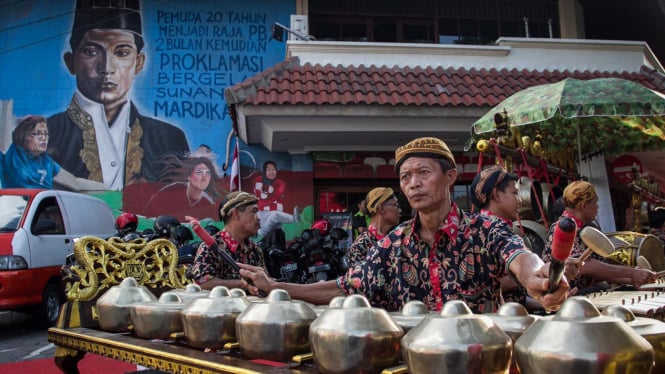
x=209 y=263
x=517 y=294
x=362 y=244
x=470 y=254
x=581 y=281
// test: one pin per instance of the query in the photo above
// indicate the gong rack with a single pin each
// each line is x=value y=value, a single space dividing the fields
x=649 y=301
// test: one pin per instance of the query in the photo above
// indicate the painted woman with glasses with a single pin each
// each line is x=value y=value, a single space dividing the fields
x=27 y=165
x=190 y=189
x=383 y=208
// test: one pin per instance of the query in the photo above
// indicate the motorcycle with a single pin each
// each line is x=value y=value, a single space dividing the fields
x=168 y=227
x=282 y=262
x=323 y=252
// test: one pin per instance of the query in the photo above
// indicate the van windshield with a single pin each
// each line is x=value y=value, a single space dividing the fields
x=11 y=211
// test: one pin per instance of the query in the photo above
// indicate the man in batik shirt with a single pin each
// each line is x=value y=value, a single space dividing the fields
x=581 y=202
x=382 y=206
x=441 y=254
x=239 y=212
x=495 y=193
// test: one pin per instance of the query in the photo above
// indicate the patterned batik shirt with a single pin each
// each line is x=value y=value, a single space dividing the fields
x=469 y=257
x=209 y=263
x=517 y=294
x=581 y=281
x=362 y=244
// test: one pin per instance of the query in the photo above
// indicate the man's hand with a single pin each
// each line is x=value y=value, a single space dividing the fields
x=572 y=267
x=538 y=284
x=640 y=277
x=258 y=276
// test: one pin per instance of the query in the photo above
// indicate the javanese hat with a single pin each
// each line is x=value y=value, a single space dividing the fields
x=485 y=181
x=376 y=197
x=578 y=192
x=97 y=14
x=423 y=147
x=236 y=199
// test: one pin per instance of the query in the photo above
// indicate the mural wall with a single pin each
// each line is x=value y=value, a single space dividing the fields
x=125 y=100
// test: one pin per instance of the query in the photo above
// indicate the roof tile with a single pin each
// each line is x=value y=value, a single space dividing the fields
x=292 y=83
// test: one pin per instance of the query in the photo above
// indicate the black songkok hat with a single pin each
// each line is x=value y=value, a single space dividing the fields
x=105 y=14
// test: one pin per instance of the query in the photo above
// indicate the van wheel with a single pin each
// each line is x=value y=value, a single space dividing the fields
x=47 y=313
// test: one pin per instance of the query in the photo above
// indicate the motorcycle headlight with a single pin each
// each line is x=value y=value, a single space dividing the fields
x=12 y=263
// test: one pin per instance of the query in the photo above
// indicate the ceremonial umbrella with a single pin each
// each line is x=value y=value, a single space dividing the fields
x=611 y=115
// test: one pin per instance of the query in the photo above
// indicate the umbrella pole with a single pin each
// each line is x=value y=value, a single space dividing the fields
x=579 y=152
x=579 y=144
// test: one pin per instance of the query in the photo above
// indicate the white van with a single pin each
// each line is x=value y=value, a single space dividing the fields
x=37 y=232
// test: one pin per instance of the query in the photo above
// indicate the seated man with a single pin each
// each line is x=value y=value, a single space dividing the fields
x=443 y=253
x=239 y=212
x=581 y=205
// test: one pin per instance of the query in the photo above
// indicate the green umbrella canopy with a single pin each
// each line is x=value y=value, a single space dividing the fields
x=613 y=115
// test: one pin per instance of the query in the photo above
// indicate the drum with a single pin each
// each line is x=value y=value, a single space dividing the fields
x=645 y=245
x=530 y=194
x=551 y=193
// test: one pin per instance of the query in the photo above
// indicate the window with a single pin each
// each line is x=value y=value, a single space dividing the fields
x=49 y=218
x=460 y=196
x=431 y=21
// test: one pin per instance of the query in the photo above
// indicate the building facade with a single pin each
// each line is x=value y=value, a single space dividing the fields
x=325 y=113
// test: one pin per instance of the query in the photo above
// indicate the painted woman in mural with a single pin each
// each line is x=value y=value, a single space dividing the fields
x=101 y=135
x=27 y=165
x=270 y=191
x=191 y=189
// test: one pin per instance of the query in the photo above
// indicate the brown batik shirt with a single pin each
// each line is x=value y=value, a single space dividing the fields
x=469 y=257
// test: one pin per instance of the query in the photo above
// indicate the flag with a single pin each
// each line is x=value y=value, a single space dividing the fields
x=235 y=170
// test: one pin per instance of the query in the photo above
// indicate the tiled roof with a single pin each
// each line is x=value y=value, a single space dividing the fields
x=290 y=83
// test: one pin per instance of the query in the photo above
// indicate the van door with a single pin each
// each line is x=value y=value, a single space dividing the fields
x=49 y=240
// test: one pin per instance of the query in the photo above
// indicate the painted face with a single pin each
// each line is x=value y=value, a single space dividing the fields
x=105 y=64
x=271 y=171
x=507 y=202
x=37 y=140
x=425 y=185
x=200 y=177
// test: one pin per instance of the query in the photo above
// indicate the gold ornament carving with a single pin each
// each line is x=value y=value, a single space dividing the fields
x=102 y=264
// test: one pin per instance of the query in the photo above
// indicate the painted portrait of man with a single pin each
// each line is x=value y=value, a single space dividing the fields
x=101 y=135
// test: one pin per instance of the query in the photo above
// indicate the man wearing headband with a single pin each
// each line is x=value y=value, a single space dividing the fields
x=581 y=205
x=382 y=206
x=441 y=254
x=239 y=212
x=102 y=136
x=494 y=192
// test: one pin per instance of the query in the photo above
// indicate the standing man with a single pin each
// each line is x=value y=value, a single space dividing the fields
x=102 y=136
x=441 y=254
x=239 y=212
x=360 y=219
x=581 y=202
